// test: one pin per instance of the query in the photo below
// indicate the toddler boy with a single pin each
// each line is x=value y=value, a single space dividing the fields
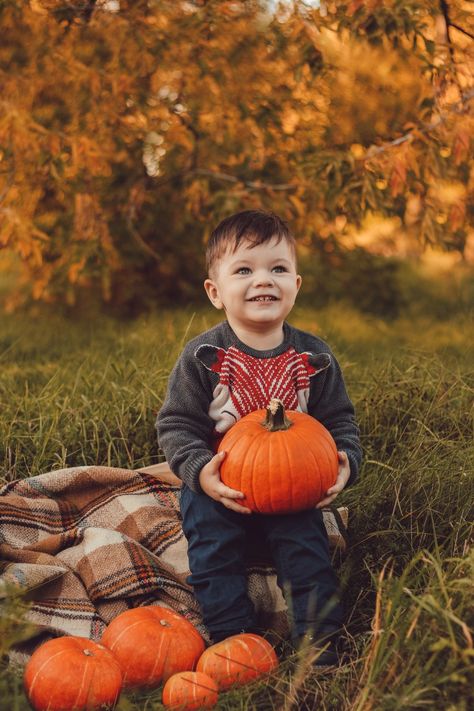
x=222 y=375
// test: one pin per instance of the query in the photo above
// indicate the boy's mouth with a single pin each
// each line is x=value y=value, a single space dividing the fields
x=263 y=297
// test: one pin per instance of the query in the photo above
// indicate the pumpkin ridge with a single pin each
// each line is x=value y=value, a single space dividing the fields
x=251 y=480
x=46 y=661
x=237 y=662
x=124 y=631
x=301 y=437
x=194 y=693
x=158 y=659
x=227 y=661
x=288 y=489
x=258 y=641
x=309 y=451
x=322 y=487
x=84 y=672
x=270 y=469
x=236 y=440
x=235 y=480
x=242 y=643
x=292 y=491
x=321 y=478
x=195 y=683
x=328 y=449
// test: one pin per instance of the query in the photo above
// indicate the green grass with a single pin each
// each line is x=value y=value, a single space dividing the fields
x=87 y=391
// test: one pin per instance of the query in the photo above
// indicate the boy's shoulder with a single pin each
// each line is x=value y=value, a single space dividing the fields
x=216 y=336
x=306 y=341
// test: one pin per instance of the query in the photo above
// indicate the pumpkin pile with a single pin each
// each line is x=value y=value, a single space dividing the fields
x=151 y=644
x=283 y=462
x=142 y=648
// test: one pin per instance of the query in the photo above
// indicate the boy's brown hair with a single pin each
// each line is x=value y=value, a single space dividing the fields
x=254 y=226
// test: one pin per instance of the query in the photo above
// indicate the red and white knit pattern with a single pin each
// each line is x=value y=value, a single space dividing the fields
x=252 y=382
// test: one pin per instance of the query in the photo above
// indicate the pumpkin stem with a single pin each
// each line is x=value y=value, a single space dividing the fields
x=276 y=419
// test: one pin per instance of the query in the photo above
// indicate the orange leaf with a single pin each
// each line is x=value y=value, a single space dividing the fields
x=398 y=177
x=457 y=215
x=461 y=146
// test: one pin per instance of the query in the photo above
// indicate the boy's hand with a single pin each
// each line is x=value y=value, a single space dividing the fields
x=211 y=484
x=343 y=475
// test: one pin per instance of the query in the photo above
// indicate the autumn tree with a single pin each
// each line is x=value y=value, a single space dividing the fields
x=128 y=129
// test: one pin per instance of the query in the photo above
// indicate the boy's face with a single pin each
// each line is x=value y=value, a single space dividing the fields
x=256 y=286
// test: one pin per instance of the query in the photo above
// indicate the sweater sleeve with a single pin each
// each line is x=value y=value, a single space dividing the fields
x=330 y=404
x=183 y=424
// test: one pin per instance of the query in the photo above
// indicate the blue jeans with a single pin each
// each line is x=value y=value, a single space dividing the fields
x=218 y=543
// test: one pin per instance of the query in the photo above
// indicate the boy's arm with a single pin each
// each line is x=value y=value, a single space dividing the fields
x=330 y=404
x=183 y=424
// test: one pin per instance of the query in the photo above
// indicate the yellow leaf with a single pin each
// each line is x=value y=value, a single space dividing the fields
x=74 y=270
x=290 y=121
x=299 y=205
x=357 y=150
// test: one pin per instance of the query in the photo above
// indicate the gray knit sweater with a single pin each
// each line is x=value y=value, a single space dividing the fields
x=218 y=379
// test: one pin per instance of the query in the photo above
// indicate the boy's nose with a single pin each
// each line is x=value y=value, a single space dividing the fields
x=263 y=278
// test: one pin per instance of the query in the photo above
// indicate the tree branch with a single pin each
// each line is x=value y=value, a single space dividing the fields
x=88 y=9
x=8 y=185
x=217 y=175
x=461 y=29
x=253 y=185
x=447 y=20
x=425 y=128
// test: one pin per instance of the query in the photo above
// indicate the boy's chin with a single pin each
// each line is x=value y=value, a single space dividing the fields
x=271 y=313
x=266 y=319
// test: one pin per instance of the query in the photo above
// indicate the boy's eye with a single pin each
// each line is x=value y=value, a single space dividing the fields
x=280 y=269
x=243 y=270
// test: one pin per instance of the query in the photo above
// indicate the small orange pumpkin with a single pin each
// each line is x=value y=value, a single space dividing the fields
x=151 y=644
x=190 y=690
x=238 y=659
x=72 y=673
x=282 y=461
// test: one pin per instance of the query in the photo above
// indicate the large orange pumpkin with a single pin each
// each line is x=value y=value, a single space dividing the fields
x=72 y=674
x=238 y=660
x=190 y=690
x=282 y=461
x=151 y=644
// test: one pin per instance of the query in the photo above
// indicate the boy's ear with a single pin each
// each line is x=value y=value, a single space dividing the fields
x=298 y=281
x=213 y=293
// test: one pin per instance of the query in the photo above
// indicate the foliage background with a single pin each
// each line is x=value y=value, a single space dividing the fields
x=128 y=129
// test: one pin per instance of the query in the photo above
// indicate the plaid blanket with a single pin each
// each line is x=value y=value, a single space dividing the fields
x=90 y=542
